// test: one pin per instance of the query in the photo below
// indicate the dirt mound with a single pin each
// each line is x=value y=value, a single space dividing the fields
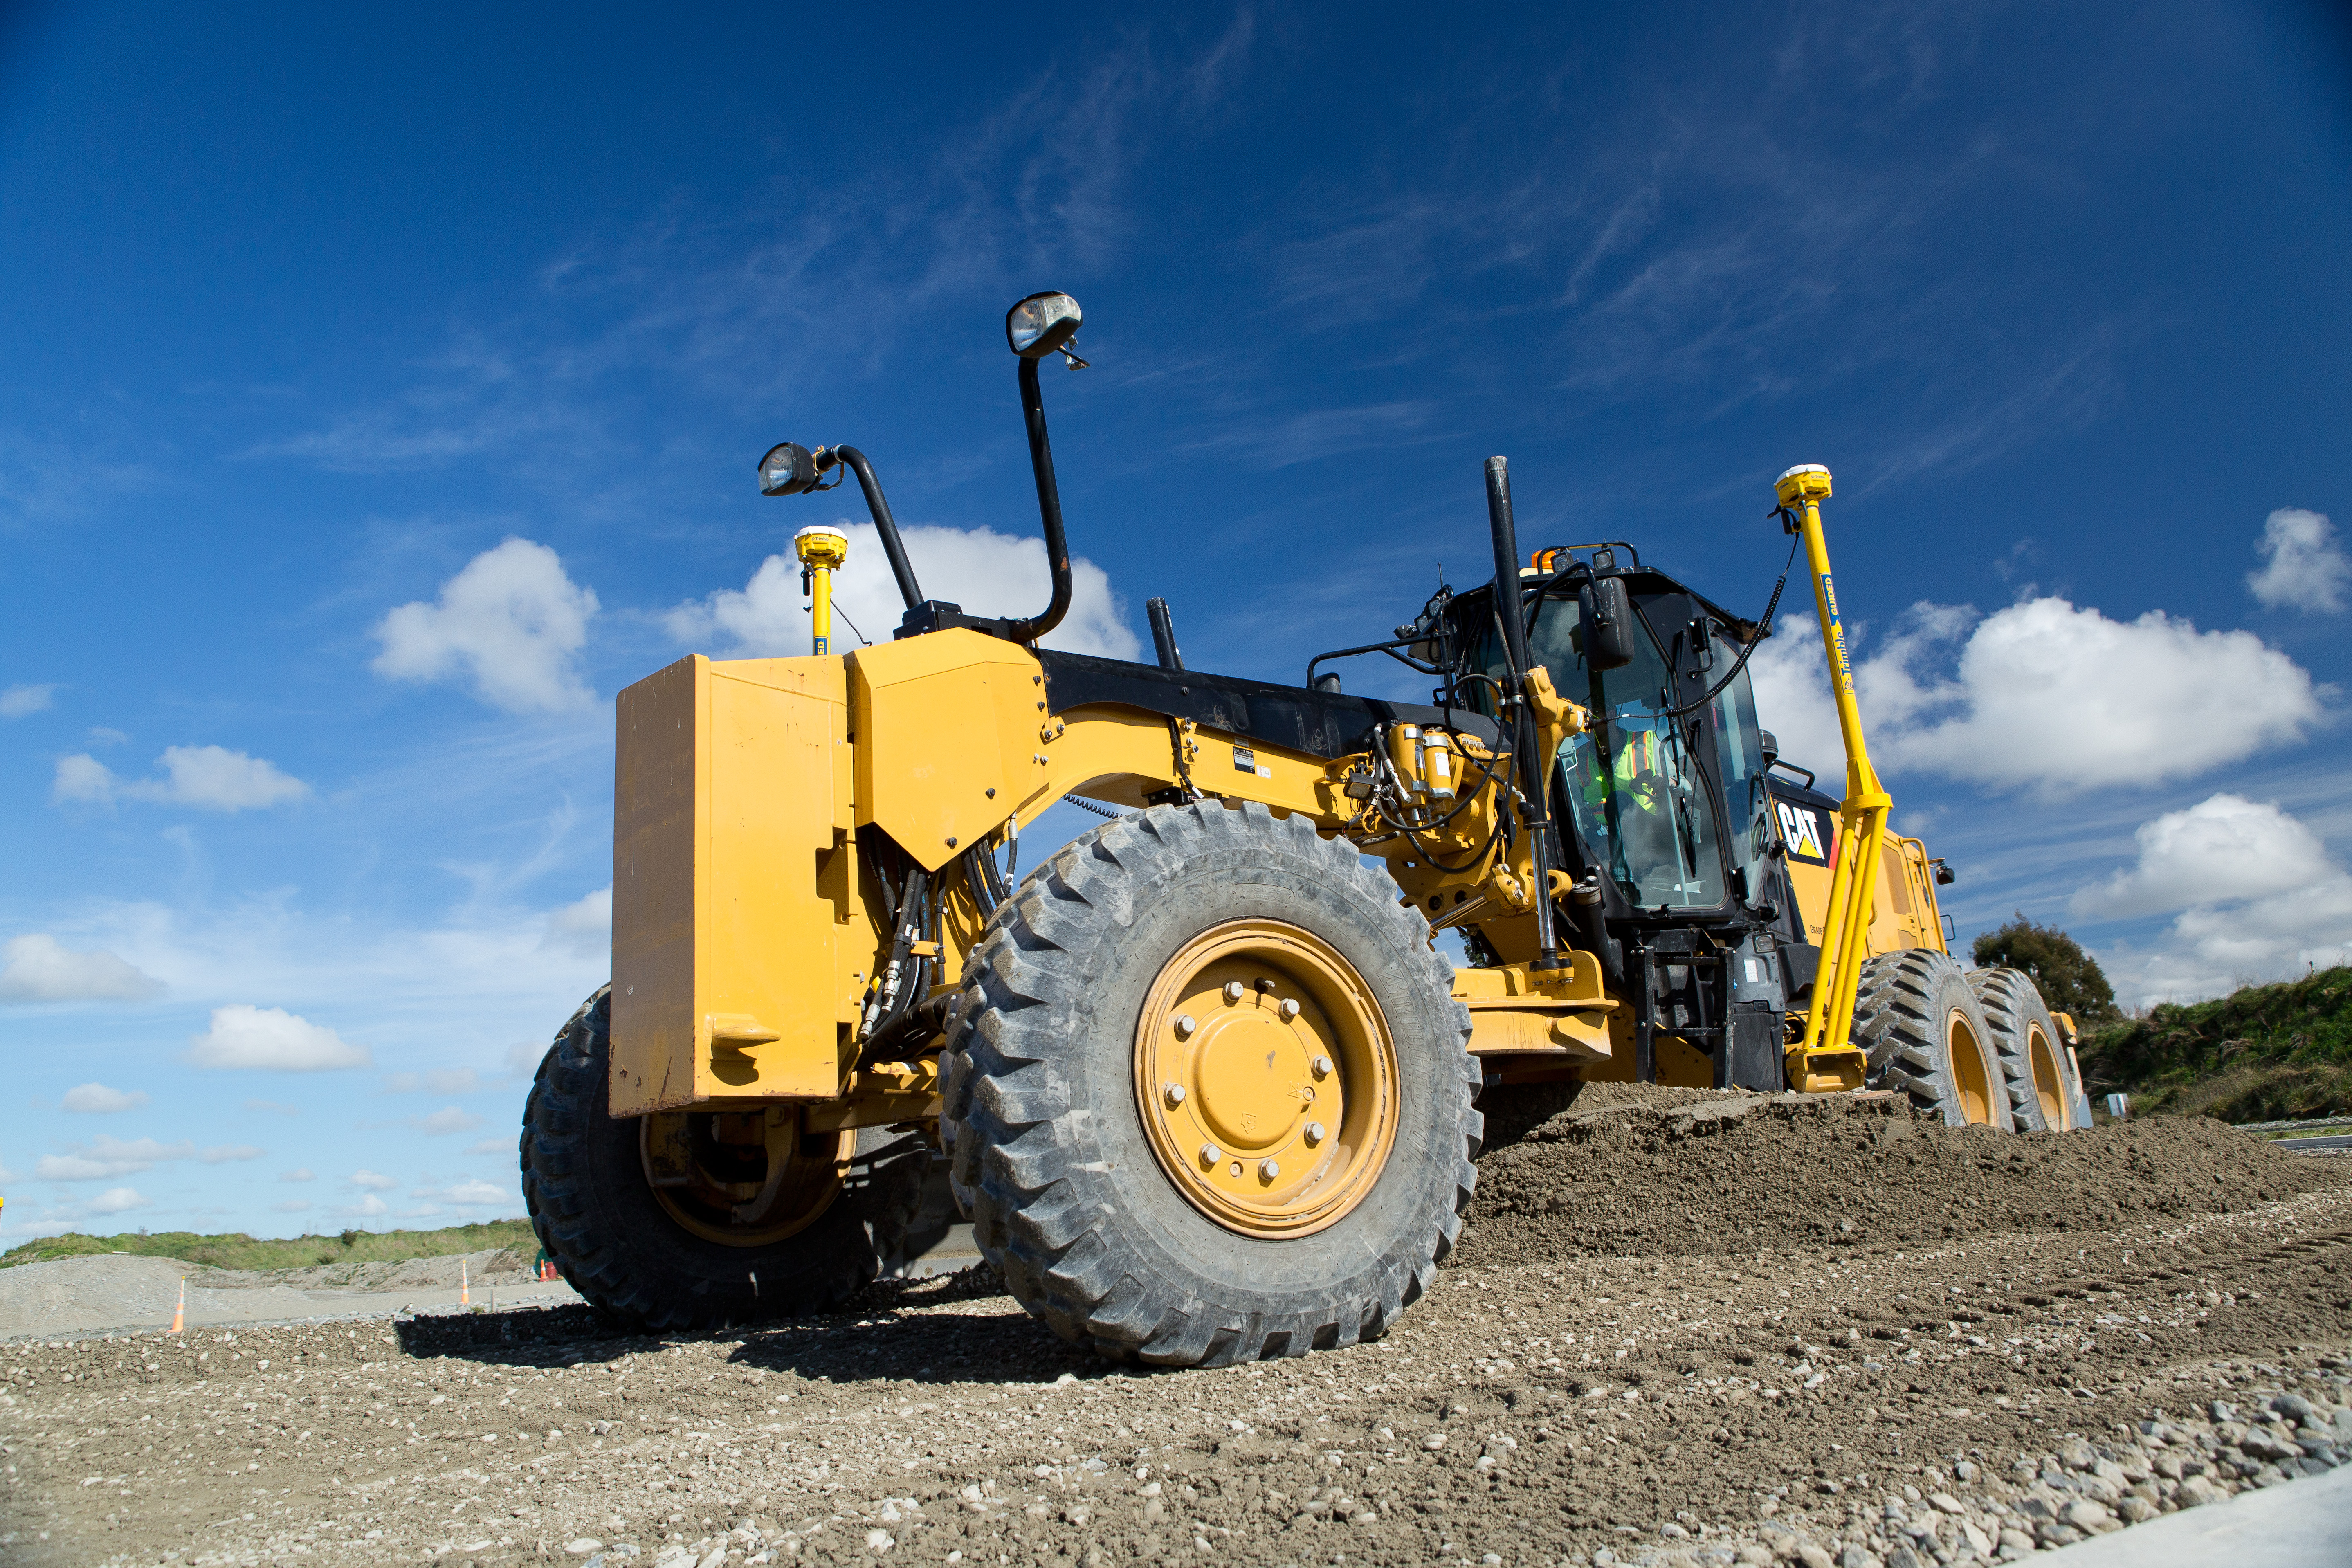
x=1673 y=1172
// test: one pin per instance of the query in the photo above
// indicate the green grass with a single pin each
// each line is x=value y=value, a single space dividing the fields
x=240 y=1251
x=2264 y=1053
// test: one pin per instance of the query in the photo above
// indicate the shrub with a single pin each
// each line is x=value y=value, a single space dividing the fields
x=2070 y=979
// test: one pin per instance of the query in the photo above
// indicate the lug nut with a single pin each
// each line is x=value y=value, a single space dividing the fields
x=1237 y=1167
x=1289 y=1007
x=1322 y=1067
x=1185 y=1026
x=1210 y=1154
x=1268 y=1171
x=1314 y=1133
x=1234 y=991
x=1175 y=1093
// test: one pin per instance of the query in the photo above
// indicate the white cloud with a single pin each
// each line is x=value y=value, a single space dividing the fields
x=291 y=1205
x=39 y=968
x=523 y=1058
x=583 y=929
x=217 y=779
x=244 y=1036
x=2223 y=849
x=117 y=1200
x=103 y=1157
x=80 y=777
x=374 y=1181
x=78 y=1168
x=2301 y=567
x=303 y=1173
x=512 y=621
x=492 y=1146
x=989 y=574
x=449 y=1119
x=440 y=1080
x=2042 y=696
x=468 y=1194
x=97 y=1099
x=19 y=700
x=2258 y=895
x=7 y=1175
x=212 y=777
x=369 y=1207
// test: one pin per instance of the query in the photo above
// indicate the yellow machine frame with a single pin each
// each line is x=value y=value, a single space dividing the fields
x=747 y=926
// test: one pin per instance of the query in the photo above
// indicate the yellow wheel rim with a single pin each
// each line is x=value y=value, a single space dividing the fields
x=2043 y=1058
x=741 y=1178
x=1266 y=1079
x=1970 y=1080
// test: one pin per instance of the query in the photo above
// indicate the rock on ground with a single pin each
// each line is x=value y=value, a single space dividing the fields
x=1885 y=1398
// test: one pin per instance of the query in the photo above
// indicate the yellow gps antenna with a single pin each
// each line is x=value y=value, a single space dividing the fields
x=822 y=550
x=1826 y=1058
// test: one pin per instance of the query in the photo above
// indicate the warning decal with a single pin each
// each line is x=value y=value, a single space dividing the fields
x=1806 y=832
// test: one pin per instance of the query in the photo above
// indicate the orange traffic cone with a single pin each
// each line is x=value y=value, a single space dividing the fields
x=464 y=1286
x=180 y=1312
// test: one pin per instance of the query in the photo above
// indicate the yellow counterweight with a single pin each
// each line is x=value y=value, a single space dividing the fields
x=822 y=550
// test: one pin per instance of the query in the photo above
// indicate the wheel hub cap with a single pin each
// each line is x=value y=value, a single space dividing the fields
x=1266 y=1079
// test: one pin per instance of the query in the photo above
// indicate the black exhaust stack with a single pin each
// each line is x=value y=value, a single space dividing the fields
x=1534 y=771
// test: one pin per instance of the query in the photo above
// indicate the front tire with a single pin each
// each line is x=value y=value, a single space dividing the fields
x=676 y=1262
x=2044 y=1092
x=1928 y=1039
x=1268 y=974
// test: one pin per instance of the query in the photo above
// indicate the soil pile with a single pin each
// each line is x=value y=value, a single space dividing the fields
x=1683 y=1172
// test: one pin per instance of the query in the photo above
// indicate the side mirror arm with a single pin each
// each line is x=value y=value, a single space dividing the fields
x=884 y=523
x=1049 y=507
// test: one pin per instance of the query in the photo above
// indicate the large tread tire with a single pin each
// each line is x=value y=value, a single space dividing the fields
x=1912 y=1011
x=584 y=1187
x=1049 y=1151
x=2022 y=1029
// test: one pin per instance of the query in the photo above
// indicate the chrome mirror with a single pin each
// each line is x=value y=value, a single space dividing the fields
x=1042 y=323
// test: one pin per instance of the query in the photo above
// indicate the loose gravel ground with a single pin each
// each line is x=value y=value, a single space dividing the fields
x=2015 y=1344
x=85 y=1295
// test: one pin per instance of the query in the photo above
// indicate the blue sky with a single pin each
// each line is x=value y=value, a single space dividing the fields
x=379 y=395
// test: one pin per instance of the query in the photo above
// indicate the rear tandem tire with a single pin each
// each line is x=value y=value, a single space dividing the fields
x=1065 y=1003
x=585 y=1188
x=2044 y=1092
x=1927 y=1037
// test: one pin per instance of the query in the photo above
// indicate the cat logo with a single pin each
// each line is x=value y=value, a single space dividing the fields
x=1802 y=830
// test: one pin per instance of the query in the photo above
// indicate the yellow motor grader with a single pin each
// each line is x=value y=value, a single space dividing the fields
x=1201 y=1081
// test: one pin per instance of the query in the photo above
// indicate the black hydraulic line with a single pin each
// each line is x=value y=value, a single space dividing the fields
x=1389 y=647
x=1763 y=630
x=1533 y=785
x=1049 y=507
x=884 y=523
x=1163 y=633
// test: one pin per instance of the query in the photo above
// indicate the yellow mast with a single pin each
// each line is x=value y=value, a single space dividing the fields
x=1826 y=1059
x=822 y=550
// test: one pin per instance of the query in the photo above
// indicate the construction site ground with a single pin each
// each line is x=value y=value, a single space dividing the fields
x=1682 y=1328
